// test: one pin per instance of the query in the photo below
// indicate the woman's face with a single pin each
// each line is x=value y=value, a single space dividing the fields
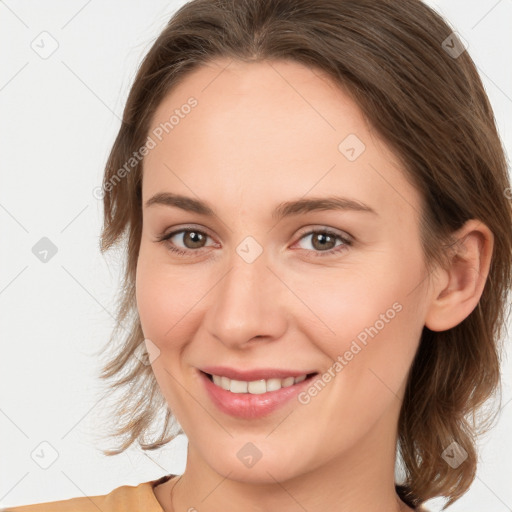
x=255 y=289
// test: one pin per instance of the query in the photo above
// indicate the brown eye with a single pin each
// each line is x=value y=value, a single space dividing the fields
x=322 y=241
x=190 y=240
x=193 y=239
x=325 y=242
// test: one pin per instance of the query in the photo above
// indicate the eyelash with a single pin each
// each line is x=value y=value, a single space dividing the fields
x=185 y=252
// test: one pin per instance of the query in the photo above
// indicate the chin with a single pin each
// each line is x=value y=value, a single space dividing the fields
x=264 y=471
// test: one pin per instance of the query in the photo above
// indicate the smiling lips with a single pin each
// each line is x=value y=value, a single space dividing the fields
x=251 y=397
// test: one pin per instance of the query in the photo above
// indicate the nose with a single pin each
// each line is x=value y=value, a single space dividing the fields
x=247 y=303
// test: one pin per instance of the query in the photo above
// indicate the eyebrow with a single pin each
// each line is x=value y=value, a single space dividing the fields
x=285 y=209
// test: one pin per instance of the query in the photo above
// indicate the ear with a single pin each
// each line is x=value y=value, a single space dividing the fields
x=459 y=287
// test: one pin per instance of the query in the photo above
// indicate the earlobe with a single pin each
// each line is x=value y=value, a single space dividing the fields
x=457 y=293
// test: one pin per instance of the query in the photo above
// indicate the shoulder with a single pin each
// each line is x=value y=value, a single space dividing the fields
x=126 y=498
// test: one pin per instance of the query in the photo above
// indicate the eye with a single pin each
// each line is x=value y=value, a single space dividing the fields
x=192 y=239
x=322 y=241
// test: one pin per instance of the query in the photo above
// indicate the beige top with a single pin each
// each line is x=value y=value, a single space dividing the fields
x=127 y=498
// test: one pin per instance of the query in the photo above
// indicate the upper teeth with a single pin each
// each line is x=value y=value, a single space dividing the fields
x=255 y=387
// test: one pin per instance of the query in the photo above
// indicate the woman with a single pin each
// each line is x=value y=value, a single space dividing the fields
x=319 y=241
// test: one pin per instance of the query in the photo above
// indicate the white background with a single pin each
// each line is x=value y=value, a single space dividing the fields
x=59 y=119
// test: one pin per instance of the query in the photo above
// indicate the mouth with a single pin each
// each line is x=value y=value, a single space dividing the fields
x=256 y=387
x=251 y=400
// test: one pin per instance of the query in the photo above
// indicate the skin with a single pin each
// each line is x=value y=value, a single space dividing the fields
x=263 y=133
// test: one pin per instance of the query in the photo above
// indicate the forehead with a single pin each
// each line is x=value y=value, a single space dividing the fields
x=269 y=127
x=261 y=102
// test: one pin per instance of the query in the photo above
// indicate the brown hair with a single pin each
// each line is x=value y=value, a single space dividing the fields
x=429 y=105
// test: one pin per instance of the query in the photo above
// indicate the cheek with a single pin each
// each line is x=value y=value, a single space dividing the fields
x=165 y=313
x=167 y=300
x=347 y=303
x=377 y=333
x=373 y=317
x=157 y=299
